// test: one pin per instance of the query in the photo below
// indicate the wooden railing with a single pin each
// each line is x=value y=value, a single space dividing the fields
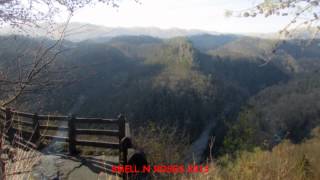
x=32 y=125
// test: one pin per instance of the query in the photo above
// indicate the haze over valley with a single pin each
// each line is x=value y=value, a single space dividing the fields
x=191 y=81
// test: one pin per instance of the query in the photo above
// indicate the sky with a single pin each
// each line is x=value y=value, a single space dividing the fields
x=206 y=15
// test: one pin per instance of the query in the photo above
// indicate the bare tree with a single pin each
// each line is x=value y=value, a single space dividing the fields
x=302 y=14
x=303 y=20
x=21 y=76
x=27 y=71
x=25 y=75
x=27 y=12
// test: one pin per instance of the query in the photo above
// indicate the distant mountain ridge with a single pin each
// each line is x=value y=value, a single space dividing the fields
x=79 y=32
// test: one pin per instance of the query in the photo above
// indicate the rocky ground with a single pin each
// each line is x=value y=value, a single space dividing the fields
x=38 y=166
x=62 y=167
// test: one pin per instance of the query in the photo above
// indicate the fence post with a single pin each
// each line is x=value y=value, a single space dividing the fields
x=36 y=128
x=9 y=124
x=122 y=133
x=72 y=136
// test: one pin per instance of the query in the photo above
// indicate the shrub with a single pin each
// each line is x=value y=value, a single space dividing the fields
x=162 y=144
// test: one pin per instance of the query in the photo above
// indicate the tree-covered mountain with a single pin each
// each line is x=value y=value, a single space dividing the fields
x=188 y=82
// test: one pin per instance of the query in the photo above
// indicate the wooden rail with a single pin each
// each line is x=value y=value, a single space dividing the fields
x=33 y=124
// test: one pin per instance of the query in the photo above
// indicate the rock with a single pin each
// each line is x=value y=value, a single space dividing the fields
x=38 y=166
x=54 y=167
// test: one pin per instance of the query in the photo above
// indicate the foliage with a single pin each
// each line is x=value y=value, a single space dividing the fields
x=287 y=111
x=19 y=13
x=285 y=161
x=302 y=14
x=240 y=134
x=162 y=144
x=171 y=82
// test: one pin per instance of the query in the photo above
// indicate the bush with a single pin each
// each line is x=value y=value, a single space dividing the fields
x=286 y=161
x=162 y=144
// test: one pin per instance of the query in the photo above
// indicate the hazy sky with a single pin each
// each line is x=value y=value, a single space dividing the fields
x=186 y=14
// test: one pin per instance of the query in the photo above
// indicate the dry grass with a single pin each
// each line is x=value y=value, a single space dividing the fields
x=19 y=160
x=286 y=161
x=21 y=167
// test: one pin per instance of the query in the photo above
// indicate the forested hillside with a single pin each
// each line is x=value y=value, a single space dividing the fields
x=191 y=83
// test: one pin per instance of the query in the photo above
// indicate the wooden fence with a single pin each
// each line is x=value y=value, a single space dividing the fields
x=35 y=123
